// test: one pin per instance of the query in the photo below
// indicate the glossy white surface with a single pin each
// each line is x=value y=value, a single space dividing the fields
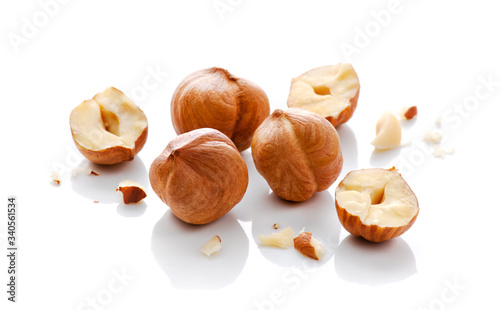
x=76 y=254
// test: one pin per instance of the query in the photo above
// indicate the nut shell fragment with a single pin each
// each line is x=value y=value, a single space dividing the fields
x=411 y=112
x=132 y=191
x=306 y=244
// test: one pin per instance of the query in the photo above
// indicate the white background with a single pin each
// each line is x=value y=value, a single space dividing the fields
x=77 y=254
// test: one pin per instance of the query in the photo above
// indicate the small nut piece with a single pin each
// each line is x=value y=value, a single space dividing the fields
x=212 y=246
x=376 y=204
x=200 y=175
x=331 y=91
x=56 y=177
x=216 y=99
x=306 y=244
x=132 y=192
x=410 y=112
x=297 y=152
x=109 y=128
x=388 y=130
x=281 y=239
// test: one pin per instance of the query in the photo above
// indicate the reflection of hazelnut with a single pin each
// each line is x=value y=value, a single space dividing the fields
x=132 y=191
x=200 y=175
x=297 y=152
x=216 y=99
x=376 y=204
x=109 y=128
x=306 y=244
x=330 y=91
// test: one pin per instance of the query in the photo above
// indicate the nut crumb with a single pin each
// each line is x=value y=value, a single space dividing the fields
x=96 y=201
x=276 y=225
x=410 y=112
x=306 y=244
x=56 y=177
x=132 y=191
x=281 y=239
x=433 y=137
x=94 y=172
x=212 y=246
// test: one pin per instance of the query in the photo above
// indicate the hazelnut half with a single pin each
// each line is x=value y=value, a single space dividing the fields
x=109 y=128
x=216 y=99
x=331 y=91
x=376 y=204
x=297 y=152
x=200 y=175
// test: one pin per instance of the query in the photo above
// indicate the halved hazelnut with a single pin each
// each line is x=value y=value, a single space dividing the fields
x=331 y=91
x=376 y=204
x=388 y=130
x=200 y=175
x=212 y=246
x=109 y=128
x=216 y=99
x=306 y=244
x=297 y=152
x=281 y=239
x=132 y=192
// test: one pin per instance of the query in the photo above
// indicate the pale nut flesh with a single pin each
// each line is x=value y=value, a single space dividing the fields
x=297 y=152
x=200 y=175
x=331 y=91
x=280 y=239
x=109 y=128
x=376 y=204
x=388 y=132
x=214 y=98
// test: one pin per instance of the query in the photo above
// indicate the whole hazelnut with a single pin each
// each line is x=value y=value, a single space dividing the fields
x=216 y=99
x=297 y=152
x=200 y=175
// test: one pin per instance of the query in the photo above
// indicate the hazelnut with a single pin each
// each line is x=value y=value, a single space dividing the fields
x=200 y=175
x=297 y=152
x=216 y=99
